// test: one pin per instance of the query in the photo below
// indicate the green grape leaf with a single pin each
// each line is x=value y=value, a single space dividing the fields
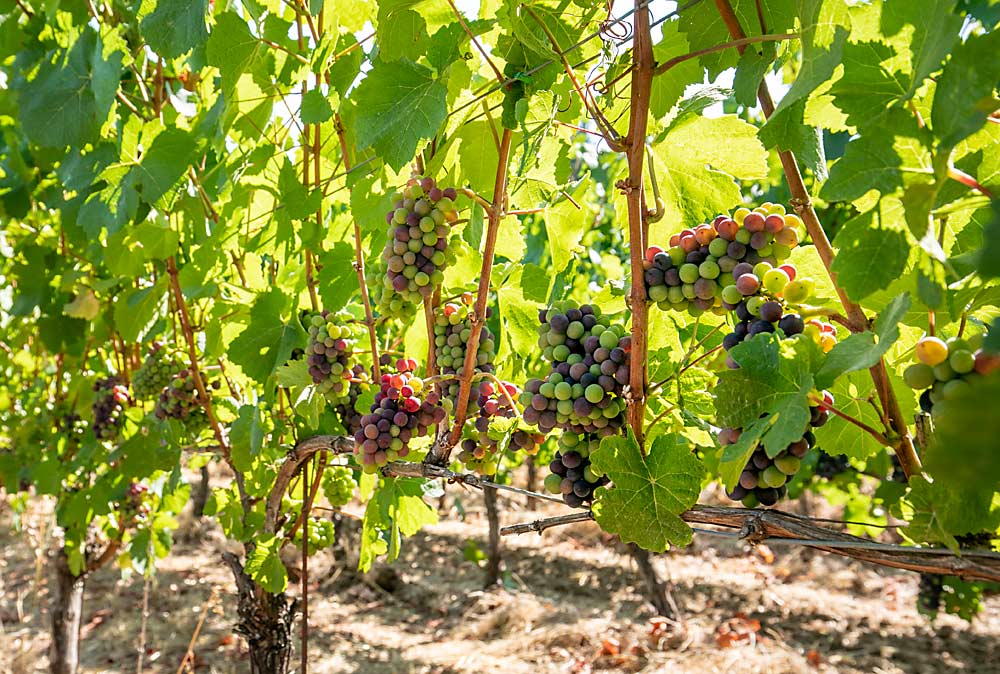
x=694 y=191
x=163 y=164
x=775 y=377
x=872 y=253
x=398 y=105
x=268 y=340
x=562 y=224
x=246 y=437
x=649 y=492
x=232 y=49
x=69 y=98
x=175 y=27
x=869 y=163
x=938 y=512
x=138 y=309
x=862 y=350
x=669 y=86
x=264 y=564
x=395 y=510
x=158 y=240
x=734 y=457
x=315 y=108
x=964 y=95
x=989 y=256
x=825 y=27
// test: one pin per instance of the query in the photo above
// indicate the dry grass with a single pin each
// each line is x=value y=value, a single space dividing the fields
x=572 y=606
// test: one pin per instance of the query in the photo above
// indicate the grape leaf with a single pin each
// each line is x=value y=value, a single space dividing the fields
x=337 y=279
x=396 y=509
x=231 y=48
x=937 y=512
x=246 y=436
x=735 y=456
x=775 y=377
x=872 y=253
x=398 y=105
x=175 y=27
x=562 y=224
x=267 y=341
x=315 y=108
x=649 y=492
x=137 y=310
x=69 y=98
x=164 y=162
x=669 y=86
x=864 y=349
x=264 y=564
x=869 y=163
x=964 y=96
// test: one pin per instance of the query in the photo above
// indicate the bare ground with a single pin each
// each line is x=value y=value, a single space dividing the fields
x=572 y=603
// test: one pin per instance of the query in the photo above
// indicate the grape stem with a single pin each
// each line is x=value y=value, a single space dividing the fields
x=818 y=400
x=475 y=197
x=801 y=203
x=441 y=450
x=313 y=490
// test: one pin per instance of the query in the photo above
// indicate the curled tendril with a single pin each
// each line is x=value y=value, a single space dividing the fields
x=614 y=29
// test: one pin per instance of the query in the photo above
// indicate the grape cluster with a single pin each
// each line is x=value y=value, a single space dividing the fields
x=344 y=408
x=72 y=426
x=829 y=467
x=416 y=254
x=338 y=485
x=179 y=400
x=452 y=328
x=321 y=534
x=755 y=317
x=764 y=478
x=156 y=371
x=589 y=357
x=571 y=474
x=108 y=411
x=945 y=369
x=397 y=415
x=701 y=262
x=329 y=356
x=135 y=505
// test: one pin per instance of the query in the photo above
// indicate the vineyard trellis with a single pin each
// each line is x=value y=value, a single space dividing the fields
x=416 y=238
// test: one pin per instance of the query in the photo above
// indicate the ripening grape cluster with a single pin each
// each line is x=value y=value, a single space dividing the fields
x=344 y=408
x=135 y=505
x=108 y=411
x=179 y=400
x=946 y=369
x=700 y=262
x=570 y=471
x=397 y=416
x=452 y=328
x=338 y=485
x=329 y=354
x=589 y=357
x=416 y=253
x=764 y=478
x=156 y=371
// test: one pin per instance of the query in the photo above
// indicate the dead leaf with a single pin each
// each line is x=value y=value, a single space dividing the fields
x=814 y=658
x=737 y=630
x=765 y=553
x=611 y=646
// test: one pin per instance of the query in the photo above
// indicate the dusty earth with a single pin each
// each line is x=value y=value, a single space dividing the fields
x=571 y=602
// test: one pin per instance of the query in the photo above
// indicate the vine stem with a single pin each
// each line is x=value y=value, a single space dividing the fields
x=903 y=444
x=359 y=262
x=440 y=454
x=635 y=147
